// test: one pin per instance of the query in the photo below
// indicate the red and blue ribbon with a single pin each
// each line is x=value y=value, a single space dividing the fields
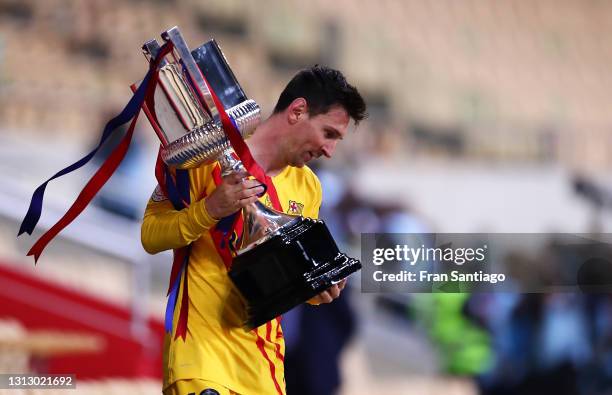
x=176 y=188
x=129 y=112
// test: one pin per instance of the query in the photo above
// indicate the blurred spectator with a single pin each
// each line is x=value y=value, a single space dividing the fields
x=315 y=338
x=463 y=346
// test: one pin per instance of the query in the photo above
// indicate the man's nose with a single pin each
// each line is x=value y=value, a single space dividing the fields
x=329 y=148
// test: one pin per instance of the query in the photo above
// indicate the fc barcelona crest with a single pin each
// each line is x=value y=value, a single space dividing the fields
x=295 y=208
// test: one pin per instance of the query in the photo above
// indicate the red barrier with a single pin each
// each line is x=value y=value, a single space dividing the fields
x=44 y=305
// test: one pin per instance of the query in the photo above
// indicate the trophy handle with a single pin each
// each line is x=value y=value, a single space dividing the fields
x=174 y=35
x=150 y=50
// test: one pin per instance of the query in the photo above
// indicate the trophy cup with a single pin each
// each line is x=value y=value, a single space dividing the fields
x=284 y=260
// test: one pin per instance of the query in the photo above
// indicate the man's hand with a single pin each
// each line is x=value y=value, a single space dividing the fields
x=330 y=294
x=234 y=192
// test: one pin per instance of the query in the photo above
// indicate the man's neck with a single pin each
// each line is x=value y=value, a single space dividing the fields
x=264 y=146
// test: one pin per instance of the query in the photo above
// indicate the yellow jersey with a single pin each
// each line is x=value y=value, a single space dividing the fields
x=216 y=347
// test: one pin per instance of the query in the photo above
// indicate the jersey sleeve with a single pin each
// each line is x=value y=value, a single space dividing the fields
x=165 y=228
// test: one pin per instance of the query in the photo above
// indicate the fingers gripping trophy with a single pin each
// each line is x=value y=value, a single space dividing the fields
x=284 y=260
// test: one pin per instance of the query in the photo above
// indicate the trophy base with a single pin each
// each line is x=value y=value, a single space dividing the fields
x=296 y=264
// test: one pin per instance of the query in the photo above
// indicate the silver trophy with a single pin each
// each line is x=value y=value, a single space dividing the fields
x=186 y=119
x=284 y=260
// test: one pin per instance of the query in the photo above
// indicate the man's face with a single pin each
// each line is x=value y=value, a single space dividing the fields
x=318 y=135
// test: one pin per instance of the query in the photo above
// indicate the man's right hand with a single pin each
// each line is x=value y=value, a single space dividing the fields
x=234 y=192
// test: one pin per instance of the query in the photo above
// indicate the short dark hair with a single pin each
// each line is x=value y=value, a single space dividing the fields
x=323 y=88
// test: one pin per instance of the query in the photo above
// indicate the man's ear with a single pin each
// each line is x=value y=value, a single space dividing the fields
x=297 y=110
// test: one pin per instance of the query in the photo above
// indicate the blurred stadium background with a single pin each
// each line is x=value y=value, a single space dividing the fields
x=484 y=117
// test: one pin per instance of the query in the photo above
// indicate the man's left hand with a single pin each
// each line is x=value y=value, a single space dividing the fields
x=330 y=294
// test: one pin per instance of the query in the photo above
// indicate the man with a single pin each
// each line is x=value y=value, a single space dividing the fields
x=218 y=356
